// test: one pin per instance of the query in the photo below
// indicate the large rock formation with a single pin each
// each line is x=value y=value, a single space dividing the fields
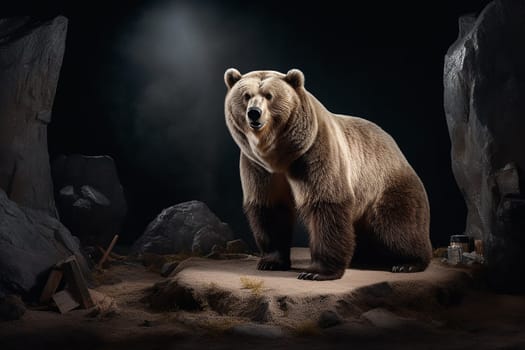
x=30 y=60
x=484 y=81
x=90 y=198
x=31 y=242
x=185 y=227
x=31 y=239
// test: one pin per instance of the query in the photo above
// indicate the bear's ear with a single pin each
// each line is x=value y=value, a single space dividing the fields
x=231 y=76
x=295 y=78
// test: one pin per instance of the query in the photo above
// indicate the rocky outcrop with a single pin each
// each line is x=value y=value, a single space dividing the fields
x=236 y=288
x=30 y=60
x=185 y=227
x=31 y=242
x=31 y=239
x=90 y=198
x=484 y=96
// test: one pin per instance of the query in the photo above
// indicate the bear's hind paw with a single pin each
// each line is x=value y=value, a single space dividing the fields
x=407 y=268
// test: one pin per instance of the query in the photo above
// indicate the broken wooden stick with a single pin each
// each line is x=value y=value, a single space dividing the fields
x=112 y=255
x=106 y=254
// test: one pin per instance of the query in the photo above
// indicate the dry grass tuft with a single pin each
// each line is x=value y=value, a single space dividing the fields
x=254 y=285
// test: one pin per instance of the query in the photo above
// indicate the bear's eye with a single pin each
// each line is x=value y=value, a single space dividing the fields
x=268 y=96
x=247 y=96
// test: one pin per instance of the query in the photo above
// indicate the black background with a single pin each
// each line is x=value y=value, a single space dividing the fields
x=142 y=81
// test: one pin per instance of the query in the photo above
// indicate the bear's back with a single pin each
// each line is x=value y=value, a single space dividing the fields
x=374 y=155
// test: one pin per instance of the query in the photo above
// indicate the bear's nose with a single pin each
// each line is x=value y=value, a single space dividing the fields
x=254 y=113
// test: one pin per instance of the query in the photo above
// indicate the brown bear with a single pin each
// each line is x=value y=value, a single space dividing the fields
x=344 y=176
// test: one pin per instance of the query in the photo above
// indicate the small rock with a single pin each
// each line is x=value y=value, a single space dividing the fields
x=382 y=318
x=11 y=308
x=237 y=246
x=168 y=268
x=258 y=330
x=185 y=227
x=328 y=319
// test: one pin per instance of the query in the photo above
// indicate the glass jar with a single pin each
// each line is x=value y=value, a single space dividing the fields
x=454 y=253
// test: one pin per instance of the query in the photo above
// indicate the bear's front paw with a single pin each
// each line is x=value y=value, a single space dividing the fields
x=273 y=262
x=312 y=276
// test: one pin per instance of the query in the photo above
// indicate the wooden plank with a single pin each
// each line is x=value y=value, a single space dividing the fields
x=65 y=301
x=106 y=254
x=76 y=283
x=55 y=276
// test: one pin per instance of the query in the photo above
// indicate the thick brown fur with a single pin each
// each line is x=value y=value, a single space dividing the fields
x=344 y=176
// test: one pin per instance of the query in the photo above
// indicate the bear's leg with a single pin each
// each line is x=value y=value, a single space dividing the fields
x=272 y=228
x=400 y=221
x=269 y=208
x=332 y=240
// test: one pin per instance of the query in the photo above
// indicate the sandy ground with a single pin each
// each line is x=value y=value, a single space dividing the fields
x=438 y=309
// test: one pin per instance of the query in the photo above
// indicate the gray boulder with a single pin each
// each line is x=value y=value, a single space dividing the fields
x=185 y=227
x=90 y=198
x=31 y=242
x=30 y=60
x=484 y=100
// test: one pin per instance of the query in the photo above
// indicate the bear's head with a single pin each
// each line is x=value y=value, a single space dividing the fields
x=262 y=100
x=270 y=116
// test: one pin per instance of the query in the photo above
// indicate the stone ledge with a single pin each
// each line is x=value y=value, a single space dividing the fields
x=236 y=288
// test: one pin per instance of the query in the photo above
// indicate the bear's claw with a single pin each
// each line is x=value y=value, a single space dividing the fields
x=312 y=276
x=407 y=268
x=308 y=276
